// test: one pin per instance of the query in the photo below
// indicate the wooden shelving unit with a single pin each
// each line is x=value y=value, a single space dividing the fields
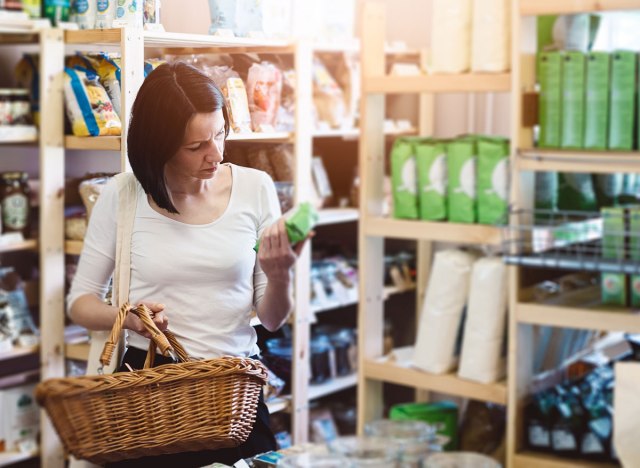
x=28 y=244
x=17 y=352
x=375 y=228
x=73 y=247
x=105 y=143
x=332 y=386
x=524 y=314
x=11 y=458
x=337 y=215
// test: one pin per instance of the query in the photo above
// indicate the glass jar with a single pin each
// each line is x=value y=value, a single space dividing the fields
x=5 y=107
x=315 y=460
x=20 y=107
x=15 y=202
x=371 y=452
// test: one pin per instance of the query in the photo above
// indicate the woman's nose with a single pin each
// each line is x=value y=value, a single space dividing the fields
x=216 y=153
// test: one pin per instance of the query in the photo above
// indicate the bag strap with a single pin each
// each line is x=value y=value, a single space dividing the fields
x=127 y=205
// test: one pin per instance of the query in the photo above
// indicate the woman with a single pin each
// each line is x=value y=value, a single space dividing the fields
x=192 y=257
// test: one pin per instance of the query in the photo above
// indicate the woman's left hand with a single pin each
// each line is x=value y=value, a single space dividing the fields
x=276 y=255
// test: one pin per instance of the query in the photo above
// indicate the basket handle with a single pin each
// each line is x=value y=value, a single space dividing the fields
x=144 y=314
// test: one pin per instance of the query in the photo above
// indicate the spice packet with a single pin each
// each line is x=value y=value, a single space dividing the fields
x=298 y=223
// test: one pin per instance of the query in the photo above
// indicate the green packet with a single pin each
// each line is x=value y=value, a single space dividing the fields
x=298 y=223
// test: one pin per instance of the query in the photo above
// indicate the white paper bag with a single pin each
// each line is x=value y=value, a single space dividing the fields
x=491 y=36
x=442 y=311
x=450 y=36
x=626 y=413
x=481 y=358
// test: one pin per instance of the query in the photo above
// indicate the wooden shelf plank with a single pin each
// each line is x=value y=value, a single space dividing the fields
x=433 y=231
x=104 y=143
x=10 y=458
x=162 y=39
x=449 y=384
x=93 y=36
x=77 y=351
x=462 y=83
x=603 y=162
x=257 y=137
x=337 y=216
x=22 y=378
x=584 y=319
x=17 y=352
x=354 y=133
x=388 y=291
x=28 y=244
x=555 y=7
x=332 y=386
x=541 y=460
x=72 y=247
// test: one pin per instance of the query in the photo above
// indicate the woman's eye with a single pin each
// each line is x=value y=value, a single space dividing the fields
x=195 y=148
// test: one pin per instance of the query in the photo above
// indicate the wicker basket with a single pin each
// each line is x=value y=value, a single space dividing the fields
x=196 y=405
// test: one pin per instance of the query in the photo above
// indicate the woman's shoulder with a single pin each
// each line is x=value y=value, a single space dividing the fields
x=249 y=175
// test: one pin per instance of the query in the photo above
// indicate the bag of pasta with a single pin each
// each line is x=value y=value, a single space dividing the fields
x=88 y=106
x=264 y=89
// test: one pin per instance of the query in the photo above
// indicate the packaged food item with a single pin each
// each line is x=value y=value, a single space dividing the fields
x=404 y=180
x=90 y=190
x=20 y=107
x=462 y=195
x=235 y=93
x=299 y=223
x=431 y=162
x=108 y=68
x=491 y=36
x=608 y=188
x=286 y=119
x=128 y=14
x=597 y=100
x=28 y=77
x=105 y=13
x=56 y=10
x=328 y=98
x=75 y=227
x=258 y=158
x=88 y=106
x=451 y=36
x=546 y=192
x=614 y=229
x=622 y=102
x=493 y=180
x=445 y=299
x=152 y=64
x=151 y=13
x=573 y=97
x=443 y=415
x=549 y=69
x=6 y=117
x=282 y=160
x=264 y=88
x=33 y=8
x=15 y=203
x=84 y=12
x=576 y=193
x=20 y=418
x=481 y=358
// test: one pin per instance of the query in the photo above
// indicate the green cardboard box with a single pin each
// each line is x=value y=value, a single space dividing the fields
x=550 y=99
x=573 y=100
x=614 y=289
x=614 y=227
x=404 y=180
x=597 y=101
x=493 y=180
x=622 y=108
x=462 y=160
x=431 y=160
x=443 y=415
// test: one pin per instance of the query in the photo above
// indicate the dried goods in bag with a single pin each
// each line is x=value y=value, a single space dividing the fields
x=328 y=97
x=264 y=88
x=88 y=106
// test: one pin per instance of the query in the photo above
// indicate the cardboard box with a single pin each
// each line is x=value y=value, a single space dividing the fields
x=597 y=100
x=573 y=100
x=550 y=99
x=622 y=109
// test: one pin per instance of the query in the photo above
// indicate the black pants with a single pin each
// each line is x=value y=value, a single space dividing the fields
x=260 y=440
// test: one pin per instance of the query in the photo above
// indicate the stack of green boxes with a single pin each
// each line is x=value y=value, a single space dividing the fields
x=586 y=101
x=621 y=241
x=463 y=180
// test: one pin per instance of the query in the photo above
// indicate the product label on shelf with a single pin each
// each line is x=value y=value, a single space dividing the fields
x=103 y=5
x=15 y=211
x=563 y=440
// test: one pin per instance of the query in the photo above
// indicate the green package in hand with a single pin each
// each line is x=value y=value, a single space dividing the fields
x=299 y=223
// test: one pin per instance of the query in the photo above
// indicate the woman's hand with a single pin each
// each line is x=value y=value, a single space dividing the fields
x=276 y=255
x=133 y=323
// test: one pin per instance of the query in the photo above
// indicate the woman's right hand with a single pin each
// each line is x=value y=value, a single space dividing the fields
x=133 y=323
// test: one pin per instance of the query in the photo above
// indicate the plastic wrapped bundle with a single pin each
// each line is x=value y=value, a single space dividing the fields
x=491 y=36
x=450 y=36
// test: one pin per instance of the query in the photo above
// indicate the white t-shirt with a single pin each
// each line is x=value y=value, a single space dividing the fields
x=207 y=276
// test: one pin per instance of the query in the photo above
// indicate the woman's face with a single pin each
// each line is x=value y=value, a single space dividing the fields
x=202 y=147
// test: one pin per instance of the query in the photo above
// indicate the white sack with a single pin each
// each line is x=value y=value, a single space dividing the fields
x=450 y=36
x=442 y=311
x=626 y=408
x=491 y=36
x=480 y=358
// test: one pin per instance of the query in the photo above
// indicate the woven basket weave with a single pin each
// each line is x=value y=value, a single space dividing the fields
x=196 y=405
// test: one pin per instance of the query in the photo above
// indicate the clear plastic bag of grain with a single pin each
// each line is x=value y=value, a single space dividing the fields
x=90 y=190
x=282 y=161
x=258 y=158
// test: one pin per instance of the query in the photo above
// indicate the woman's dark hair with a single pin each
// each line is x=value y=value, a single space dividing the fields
x=167 y=99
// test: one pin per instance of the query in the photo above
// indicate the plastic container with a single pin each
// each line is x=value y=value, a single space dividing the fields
x=371 y=452
x=321 y=351
x=343 y=343
x=313 y=460
x=461 y=460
